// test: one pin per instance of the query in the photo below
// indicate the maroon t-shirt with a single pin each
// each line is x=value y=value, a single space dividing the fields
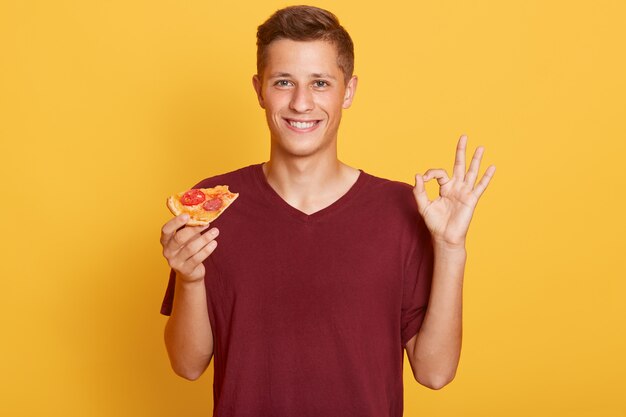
x=310 y=313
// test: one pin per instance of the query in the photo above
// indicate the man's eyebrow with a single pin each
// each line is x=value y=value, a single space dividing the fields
x=323 y=75
x=280 y=75
x=314 y=75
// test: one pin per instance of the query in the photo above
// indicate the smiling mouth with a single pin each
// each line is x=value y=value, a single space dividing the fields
x=302 y=125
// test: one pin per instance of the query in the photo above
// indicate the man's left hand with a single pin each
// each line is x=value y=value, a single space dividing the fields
x=448 y=217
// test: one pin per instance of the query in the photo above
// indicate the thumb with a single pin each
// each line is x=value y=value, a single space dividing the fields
x=419 y=191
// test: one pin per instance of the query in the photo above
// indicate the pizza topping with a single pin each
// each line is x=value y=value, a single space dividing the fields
x=192 y=197
x=203 y=205
x=212 y=204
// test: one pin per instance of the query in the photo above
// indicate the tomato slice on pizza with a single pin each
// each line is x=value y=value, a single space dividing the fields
x=202 y=204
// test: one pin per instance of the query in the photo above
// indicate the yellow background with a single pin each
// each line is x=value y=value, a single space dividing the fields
x=106 y=107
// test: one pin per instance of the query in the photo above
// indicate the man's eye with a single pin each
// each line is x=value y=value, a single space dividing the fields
x=282 y=83
x=321 y=83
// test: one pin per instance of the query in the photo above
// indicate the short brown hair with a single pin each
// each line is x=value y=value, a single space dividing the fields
x=306 y=23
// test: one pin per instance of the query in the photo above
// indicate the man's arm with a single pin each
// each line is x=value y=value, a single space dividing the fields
x=188 y=333
x=435 y=351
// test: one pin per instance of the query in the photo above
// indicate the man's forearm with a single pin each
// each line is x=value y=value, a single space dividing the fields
x=438 y=345
x=188 y=334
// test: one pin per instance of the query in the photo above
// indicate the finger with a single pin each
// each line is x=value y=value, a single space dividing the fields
x=472 y=173
x=484 y=181
x=195 y=245
x=440 y=174
x=201 y=255
x=190 y=266
x=169 y=228
x=187 y=234
x=420 y=193
x=173 y=246
x=459 y=161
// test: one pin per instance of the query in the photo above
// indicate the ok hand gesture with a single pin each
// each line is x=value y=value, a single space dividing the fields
x=448 y=217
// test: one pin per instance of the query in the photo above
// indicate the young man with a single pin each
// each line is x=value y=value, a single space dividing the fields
x=324 y=273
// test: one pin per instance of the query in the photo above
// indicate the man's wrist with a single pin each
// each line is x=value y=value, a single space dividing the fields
x=445 y=246
x=186 y=283
x=450 y=254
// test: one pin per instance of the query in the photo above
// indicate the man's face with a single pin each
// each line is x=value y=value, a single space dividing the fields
x=303 y=92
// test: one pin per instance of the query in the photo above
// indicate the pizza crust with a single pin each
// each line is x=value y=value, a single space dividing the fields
x=197 y=215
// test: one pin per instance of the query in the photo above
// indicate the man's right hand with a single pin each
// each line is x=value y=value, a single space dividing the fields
x=185 y=248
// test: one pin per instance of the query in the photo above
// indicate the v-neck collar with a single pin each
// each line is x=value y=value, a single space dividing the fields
x=278 y=201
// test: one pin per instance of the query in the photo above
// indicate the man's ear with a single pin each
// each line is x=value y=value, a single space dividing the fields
x=350 y=91
x=257 y=84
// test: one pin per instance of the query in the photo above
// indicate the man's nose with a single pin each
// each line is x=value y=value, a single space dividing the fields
x=302 y=99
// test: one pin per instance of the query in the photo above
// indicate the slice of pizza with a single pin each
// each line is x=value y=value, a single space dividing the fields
x=202 y=204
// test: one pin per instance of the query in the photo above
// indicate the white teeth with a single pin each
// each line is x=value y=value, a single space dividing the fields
x=302 y=125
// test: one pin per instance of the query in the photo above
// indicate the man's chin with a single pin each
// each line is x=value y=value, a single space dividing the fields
x=301 y=150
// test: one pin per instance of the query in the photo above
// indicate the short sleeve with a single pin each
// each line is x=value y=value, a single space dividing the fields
x=168 y=299
x=417 y=282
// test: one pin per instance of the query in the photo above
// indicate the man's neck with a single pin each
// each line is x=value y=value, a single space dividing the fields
x=309 y=184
